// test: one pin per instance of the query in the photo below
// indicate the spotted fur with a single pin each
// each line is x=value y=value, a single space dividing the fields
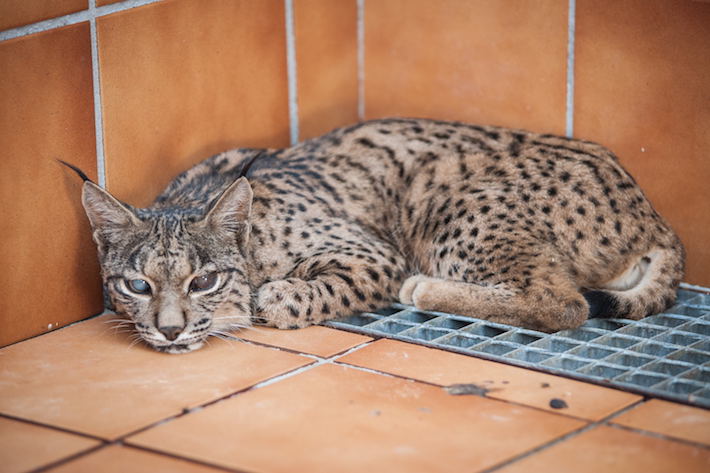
x=505 y=225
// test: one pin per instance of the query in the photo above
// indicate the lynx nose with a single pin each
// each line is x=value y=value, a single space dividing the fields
x=171 y=333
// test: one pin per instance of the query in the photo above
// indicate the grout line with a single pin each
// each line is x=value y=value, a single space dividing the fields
x=320 y=361
x=69 y=459
x=361 y=60
x=558 y=440
x=72 y=18
x=176 y=456
x=667 y=437
x=291 y=72
x=45 y=25
x=569 y=106
x=186 y=411
x=381 y=373
x=443 y=386
x=54 y=427
x=609 y=422
x=289 y=374
x=98 y=109
x=86 y=319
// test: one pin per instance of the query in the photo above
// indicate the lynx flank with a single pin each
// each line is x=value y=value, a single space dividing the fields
x=505 y=225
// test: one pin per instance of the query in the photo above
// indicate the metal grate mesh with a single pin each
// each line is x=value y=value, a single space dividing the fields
x=665 y=355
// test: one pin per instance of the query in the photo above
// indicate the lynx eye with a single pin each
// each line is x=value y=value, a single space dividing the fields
x=138 y=286
x=203 y=283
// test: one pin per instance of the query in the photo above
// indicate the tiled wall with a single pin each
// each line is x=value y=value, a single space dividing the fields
x=135 y=91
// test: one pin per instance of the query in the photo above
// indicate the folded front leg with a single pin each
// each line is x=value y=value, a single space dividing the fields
x=329 y=286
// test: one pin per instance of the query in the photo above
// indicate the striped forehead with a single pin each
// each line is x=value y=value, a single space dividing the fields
x=167 y=250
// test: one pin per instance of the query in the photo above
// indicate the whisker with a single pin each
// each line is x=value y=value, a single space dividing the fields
x=239 y=318
x=124 y=326
x=135 y=342
x=225 y=335
x=128 y=321
x=221 y=336
x=118 y=330
x=255 y=328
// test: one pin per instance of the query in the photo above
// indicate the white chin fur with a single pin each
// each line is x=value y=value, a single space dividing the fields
x=178 y=349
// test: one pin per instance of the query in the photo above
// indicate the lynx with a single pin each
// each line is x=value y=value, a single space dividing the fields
x=528 y=229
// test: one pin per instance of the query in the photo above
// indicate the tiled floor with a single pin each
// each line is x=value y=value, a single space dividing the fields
x=84 y=399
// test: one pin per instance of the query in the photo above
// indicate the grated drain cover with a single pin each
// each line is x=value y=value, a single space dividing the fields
x=665 y=355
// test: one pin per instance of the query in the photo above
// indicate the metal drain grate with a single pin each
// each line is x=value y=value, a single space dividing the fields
x=665 y=355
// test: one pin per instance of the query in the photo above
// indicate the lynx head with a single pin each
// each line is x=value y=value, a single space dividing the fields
x=180 y=275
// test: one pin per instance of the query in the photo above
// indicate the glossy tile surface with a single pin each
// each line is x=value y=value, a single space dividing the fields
x=326 y=42
x=14 y=13
x=674 y=420
x=641 y=88
x=610 y=450
x=117 y=459
x=316 y=340
x=46 y=252
x=350 y=420
x=183 y=80
x=502 y=381
x=26 y=446
x=500 y=63
x=88 y=378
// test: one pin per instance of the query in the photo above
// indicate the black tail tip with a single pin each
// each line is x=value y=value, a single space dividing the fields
x=78 y=171
x=601 y=304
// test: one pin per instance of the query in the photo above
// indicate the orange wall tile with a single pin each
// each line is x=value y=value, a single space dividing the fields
x=326 y=53
x=642 y=88
x=183 y=80
x=15 y=13
x=499 y=62
x=49 y=266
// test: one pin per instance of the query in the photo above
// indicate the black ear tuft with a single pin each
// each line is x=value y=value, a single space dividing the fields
x=247 y=164
x=79 y=172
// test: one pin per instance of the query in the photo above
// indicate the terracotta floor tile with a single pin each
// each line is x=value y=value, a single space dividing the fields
x=675 y=420
x=610 y=450
x=26 y=446
x=335 y=418
x=321 y=341
x=87 y=378
x=117 y=459
x=504 y=381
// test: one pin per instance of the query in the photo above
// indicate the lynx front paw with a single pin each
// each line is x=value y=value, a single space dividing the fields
x=277 y=306
x=415 y=290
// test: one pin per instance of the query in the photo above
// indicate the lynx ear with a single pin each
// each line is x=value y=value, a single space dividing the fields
x=106 y=213
x=231 y=210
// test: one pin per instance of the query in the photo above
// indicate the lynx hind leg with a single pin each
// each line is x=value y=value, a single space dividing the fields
x=533 y=295
x=647 y=287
